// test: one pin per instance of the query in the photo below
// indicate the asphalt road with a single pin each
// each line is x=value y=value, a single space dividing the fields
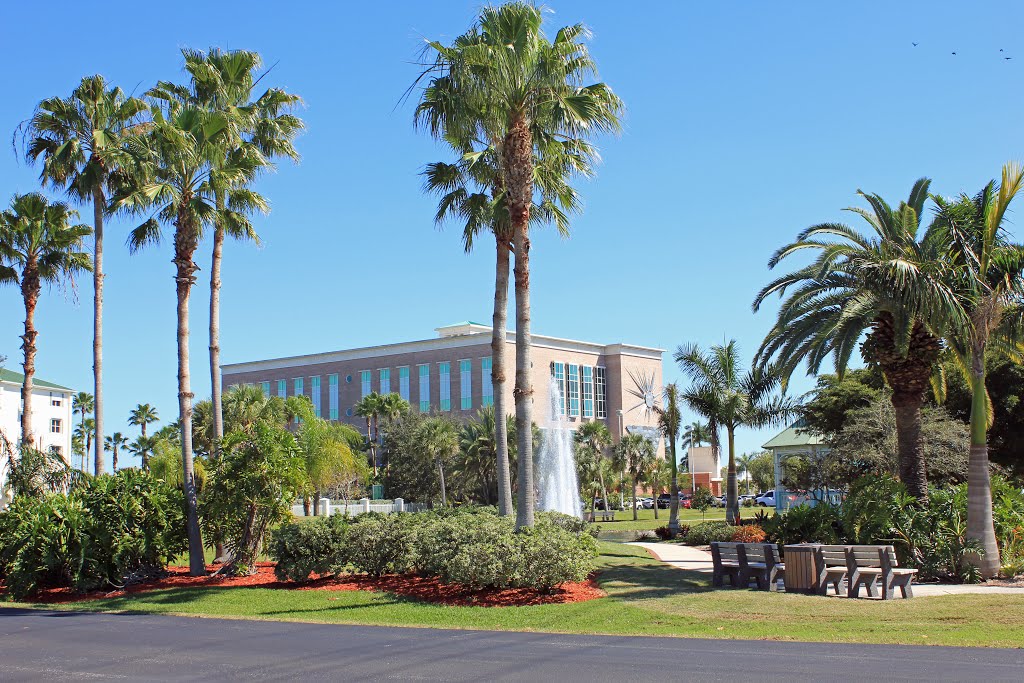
x=41 y=645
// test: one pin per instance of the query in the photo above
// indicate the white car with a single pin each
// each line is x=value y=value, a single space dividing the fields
x=766 y=499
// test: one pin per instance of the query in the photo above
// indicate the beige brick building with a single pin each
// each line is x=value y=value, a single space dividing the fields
x=452 y=374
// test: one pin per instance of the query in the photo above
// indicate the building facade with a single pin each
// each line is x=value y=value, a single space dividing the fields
x=451 y=374
x=51 y=417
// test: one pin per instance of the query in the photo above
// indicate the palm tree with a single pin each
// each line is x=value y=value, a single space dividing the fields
x=743 y=463
x=696 y=434
x=143 y=415
x=224 y=82
x=729 y=398
x=519 y=91
x=143 y=446
x=38 y=244
x=439 y=439
x=890 y=285
x=175 y=184
x=82 y=404
x=81 y=140
x=592 y=440
x=370 y=407
x=658 y=476
x=84 y=433
x=987 y=270
x=115 y=441
x=637 y=451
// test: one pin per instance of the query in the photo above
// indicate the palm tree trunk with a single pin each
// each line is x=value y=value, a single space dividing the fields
x=732 y=500
x=518 y=158
x=636 y=482
x=215 y=284
x=113 y=464
x=907 y=409
x=184 y=279
x=499 y=325
x=98 y=204
x=30 y=287
x=654 y=495
x=673 y=502
x=979 y=489
x=444 y=493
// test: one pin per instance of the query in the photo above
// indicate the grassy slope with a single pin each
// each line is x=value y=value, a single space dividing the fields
x=645 y=598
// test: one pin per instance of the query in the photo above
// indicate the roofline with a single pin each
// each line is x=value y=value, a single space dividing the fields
x=457 y=341
x=39 y=384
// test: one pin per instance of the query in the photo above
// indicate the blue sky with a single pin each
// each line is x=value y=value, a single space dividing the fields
x=746 y=122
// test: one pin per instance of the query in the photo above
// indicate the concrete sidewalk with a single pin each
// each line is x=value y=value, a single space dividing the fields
x=694 y=559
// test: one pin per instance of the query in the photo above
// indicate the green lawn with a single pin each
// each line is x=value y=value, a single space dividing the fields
x=646 y=521
x=644 y=598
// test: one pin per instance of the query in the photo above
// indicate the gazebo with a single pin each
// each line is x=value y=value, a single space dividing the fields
x=794 y=440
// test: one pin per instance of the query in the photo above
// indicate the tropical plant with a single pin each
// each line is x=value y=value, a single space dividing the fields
x=39 y=243
x=369 y=407
x=83 y=435
x=81 y=141
x=658 y=476
x=592 y=441
x=82 y=404
x=175 y=183
x=327 y=458
x=891 y=285
x=637 y=451
x=729 y=398
x=114 y=443
x=142 y=447
x=142 y=416
x=505 y=83
x=988 y=272
x=34 y=473
x=743 y=463
x=439 y=438
x=696 y=434
x=475 y=470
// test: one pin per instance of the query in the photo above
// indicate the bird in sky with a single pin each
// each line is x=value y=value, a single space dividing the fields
x=1000 y=49
x=915 y=45
x=1007 y=57
x=954 y=53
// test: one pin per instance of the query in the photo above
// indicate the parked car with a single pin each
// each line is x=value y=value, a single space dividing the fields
x=646 y=503
x=766 y=499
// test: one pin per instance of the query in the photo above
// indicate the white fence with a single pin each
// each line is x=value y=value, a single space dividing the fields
x=351 y=508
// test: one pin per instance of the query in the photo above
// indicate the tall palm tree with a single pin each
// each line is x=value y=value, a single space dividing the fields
x=38 y=244
x=143 y=446
x=370 y=407
x=81 y=141
x=658 y=476
x=175 y=184
x=143 y=415
x=729 y=398
x=743 y=463
x=696 y=434
x=592 y=440
x=890 y=285
x=113 y=444
x=669 y=419
x=82 y=404
x=224 y=81
x=439 y=439
x=637 y=451
x=519 y=91
x=988 y=271
x=84 y=433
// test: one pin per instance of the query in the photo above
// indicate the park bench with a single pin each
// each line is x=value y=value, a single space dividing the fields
x=725 y=559
x=868 y=565
x=603 y=515
x=742 y=562
x=831 y=564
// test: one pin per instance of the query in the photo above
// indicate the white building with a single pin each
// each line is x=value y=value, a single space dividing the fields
x=51 y=416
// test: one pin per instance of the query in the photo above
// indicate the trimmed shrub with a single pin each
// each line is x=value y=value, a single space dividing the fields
x=382 y=544
x=749 y=533
x=663 y=533
x=704 y=533
x=301 y=549
x=552 y=556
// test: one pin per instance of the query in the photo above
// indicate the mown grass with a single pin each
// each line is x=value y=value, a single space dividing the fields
x=644 y=598
x=624 y=528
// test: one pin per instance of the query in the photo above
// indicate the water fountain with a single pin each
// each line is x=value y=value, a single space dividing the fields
x=556 y=465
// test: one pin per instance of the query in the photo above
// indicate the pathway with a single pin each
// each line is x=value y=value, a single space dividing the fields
x=694 y=559
x=39 y=645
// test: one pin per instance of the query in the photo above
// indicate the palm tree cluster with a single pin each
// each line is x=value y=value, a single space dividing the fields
x=184 y=158
x=953 y=289
x=516 y=108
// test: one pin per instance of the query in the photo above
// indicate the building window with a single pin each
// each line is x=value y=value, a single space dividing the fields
x=403 y=382
x=424 y=388
x=55 y=401
x=588 y=391
x=574 y=390
x=266 y=389
x=486 y=386
x=364 y=378
x=332 y=396
x=298 y=386
x=282 y=388
x=601 y=393
x=466 y=383
x=445 y=372
x=314 y=393
x=558 y=373
x=55 y=426
x=385 y=381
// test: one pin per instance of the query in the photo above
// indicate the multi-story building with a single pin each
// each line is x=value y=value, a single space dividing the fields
x=452 y=374
x=51 y=416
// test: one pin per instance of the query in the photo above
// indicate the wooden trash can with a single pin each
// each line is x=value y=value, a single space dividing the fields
x=801 y=568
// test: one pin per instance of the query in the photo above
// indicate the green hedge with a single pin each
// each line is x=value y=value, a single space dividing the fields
x=475 y=548
x=705 y=533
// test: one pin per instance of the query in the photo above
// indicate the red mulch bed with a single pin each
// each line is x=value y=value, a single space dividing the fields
x=427 y=589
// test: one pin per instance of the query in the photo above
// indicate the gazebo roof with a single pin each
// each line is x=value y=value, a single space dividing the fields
x=794 y=435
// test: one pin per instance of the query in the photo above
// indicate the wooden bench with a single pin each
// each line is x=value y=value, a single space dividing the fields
x=831 y=564
x=868 y=565
x=742 y=562
x=605 y=515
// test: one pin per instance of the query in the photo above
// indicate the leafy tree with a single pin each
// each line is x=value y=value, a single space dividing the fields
x=520 y=92
x=762 y=471
x=81 y=141
x=114 y=443
x=890 y=285
x=38 y=244
x=702 y=499
x=729 y=398
x=986 y=271
x=637 y=451
x=828 y=406
x=592 y=441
